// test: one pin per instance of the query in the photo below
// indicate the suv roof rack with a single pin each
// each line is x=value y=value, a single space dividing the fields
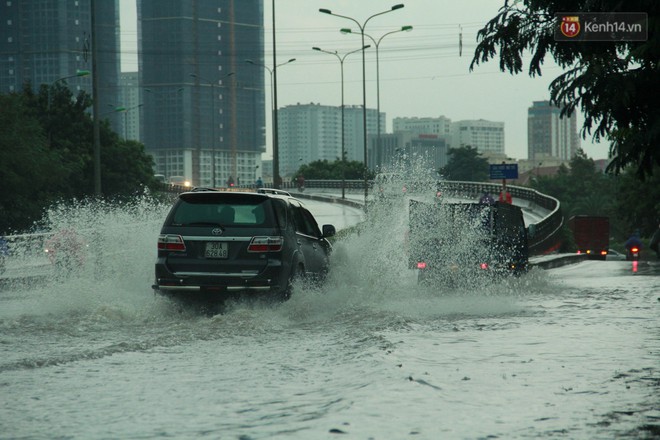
x=278 y=192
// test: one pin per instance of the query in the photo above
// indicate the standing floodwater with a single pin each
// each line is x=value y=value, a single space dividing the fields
x=567 y=353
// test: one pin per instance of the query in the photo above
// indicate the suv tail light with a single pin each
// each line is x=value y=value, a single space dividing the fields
x=266 y=244
x=171 y=243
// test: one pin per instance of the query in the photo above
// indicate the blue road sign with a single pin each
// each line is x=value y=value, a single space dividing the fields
x=504 y=171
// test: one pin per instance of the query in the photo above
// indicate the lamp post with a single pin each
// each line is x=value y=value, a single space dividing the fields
x=77 y=74
x=126 y=119
x=51 y=85
x=341 y=59
x=364 y=84
x=377 y=44
x=213 y=124
x=273 y=98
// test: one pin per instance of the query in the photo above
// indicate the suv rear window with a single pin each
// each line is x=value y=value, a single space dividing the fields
x=230 y=211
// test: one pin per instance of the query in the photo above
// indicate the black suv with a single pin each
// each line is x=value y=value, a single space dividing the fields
x=215 y=243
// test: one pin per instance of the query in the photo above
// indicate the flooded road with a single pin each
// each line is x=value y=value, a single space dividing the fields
x=571 y=352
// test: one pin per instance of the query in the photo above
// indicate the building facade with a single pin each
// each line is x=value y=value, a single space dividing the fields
x=202 y=113
x=549 y=135
x=485 y=136
x=440 y=126
x=48 y=41
x=311 y=132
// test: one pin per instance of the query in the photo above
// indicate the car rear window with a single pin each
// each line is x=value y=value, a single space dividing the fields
x=224 y=211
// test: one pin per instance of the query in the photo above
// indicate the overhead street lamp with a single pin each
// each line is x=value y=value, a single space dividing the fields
x=51 y=85
x=377 y=44
x=126 y=119
x=341 y=59
x=364 y=84
x=273 y=100
x=213 y=123
x=76 y=75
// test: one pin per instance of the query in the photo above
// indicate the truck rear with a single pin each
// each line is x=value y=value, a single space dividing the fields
x=591 y=235
x=466 y=240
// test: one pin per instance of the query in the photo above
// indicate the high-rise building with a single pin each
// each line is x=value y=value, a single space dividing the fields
x=440 y=126
x=311 y=132
x=203 y=105
x=485 y=136
x=48 y=41
x=548 y=134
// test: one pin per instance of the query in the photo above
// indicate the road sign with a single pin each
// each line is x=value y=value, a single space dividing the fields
x=504 y=171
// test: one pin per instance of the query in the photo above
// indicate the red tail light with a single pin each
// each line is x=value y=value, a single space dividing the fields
x=171 y=243
x=266 y=244
x=603 y=252
x=634 y=250
x=421 y=265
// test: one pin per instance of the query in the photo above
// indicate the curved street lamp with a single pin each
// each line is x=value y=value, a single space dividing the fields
x=273 y=96
x=126 y=119
x=341 y=59
x=377 y=44
x=364 y=84
x=76 y=75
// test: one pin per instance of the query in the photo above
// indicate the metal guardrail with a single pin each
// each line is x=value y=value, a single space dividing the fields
x=544 y=236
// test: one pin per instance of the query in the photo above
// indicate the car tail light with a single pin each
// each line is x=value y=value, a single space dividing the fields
x=266 y=244
x=171 y=243
x=635 y=249
x=421 y=265
x=603 y=252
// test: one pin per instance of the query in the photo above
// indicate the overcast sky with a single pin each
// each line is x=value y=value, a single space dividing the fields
x=421 y=72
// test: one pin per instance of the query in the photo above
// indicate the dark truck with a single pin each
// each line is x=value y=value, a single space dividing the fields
x=457 y=242
x=591 y=235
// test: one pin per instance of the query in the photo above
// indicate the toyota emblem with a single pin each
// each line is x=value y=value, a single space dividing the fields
x=216 y=231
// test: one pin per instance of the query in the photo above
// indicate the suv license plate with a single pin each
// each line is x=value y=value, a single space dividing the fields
x=216 y=249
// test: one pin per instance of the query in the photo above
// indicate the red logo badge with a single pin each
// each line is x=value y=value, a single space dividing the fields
x=570 y=26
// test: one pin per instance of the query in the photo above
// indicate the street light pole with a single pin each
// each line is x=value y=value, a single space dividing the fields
x=126 y=119
x=273 y=99
x=377 y=44
x=343 y=142
x=364 y=85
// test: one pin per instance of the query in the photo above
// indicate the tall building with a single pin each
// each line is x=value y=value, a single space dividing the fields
x=48 y=41
x=311 y=132
x=203 y=106
x=440 y=126
x=485 y=136
x=548 y=134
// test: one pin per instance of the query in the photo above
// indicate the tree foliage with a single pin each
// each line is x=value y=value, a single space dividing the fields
x=46 y=155
x=322 y=169
x=583 y=190
x=615 y=84
x=466 y=163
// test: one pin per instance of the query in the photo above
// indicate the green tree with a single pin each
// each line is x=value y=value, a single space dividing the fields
x=466 y=163
x=26 y=165
x=324 y=170
x=46 y=143
x=615 y=84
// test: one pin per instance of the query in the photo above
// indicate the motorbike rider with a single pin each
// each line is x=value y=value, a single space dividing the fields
x=633 y=242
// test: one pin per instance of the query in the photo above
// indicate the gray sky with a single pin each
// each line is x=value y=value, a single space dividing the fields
x=421 y=71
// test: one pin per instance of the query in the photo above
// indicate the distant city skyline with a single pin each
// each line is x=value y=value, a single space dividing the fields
x=423 y=73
